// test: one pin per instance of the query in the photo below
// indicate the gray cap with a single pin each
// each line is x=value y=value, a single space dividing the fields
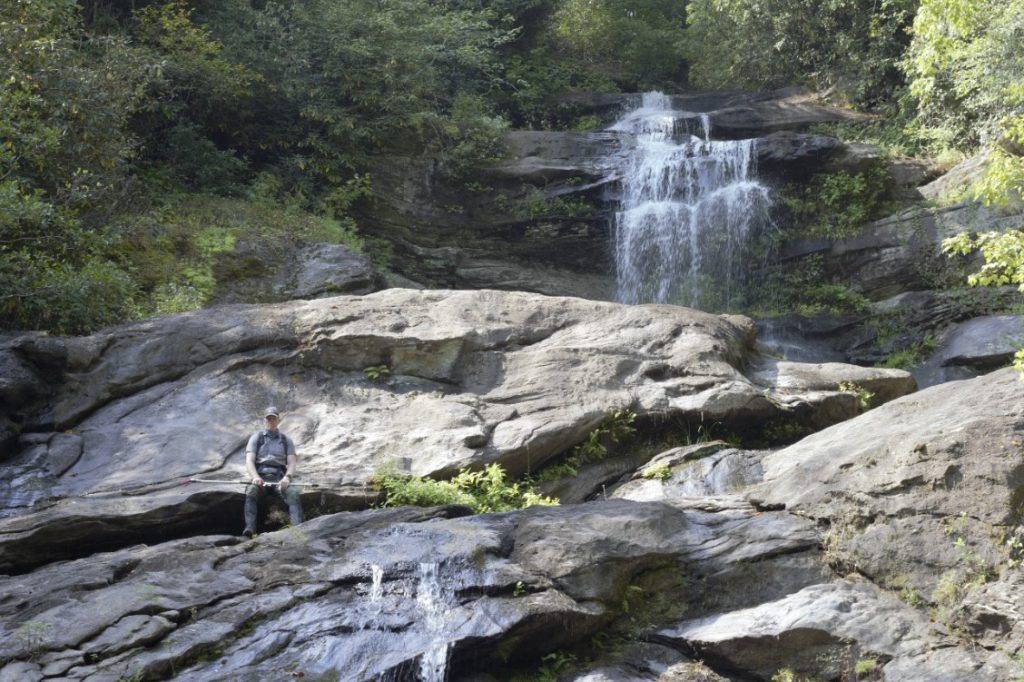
x=271 y=412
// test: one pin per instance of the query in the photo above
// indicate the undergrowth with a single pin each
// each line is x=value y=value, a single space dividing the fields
x=487 y=490
x=617 y=427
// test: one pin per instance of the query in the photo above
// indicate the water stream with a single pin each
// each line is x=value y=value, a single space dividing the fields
x=430 y=599
x=377 y=583
x=689 y=206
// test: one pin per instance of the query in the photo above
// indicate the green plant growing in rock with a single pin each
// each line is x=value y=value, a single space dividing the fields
x=911 y=356
x=1014 y=545
x=486 y=490
x=864 y=396
x=865 y=667
x=377 y=373
x=33 y=635
x=905 y=592
x=954 y=584
x=836 y=205
x=783 y=431
x=616 y=428
x=540 y=206
x=802 y=288
x=657 y=472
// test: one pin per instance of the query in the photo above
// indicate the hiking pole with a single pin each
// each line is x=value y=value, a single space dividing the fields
x=312 y=486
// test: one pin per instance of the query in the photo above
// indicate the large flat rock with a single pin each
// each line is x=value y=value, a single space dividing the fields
x=469 y=379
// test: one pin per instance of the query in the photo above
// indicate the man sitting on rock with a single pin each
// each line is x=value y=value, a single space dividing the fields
x=271 y=461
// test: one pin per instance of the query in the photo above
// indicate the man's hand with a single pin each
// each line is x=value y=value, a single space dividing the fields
x=258 y=482
x=283 y=484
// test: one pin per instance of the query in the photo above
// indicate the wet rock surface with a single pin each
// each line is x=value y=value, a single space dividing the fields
x=306 y=599
x=541 y=220
x=890 y=539
x=424 y=382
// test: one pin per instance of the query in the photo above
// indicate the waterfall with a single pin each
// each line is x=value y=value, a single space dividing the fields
x=377 y=583
x=689 y=205
x=430 y=599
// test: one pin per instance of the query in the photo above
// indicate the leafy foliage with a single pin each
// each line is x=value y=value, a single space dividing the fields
x=836 y=205
x=638 y=42
x=964 y=67
x=802 y=288
x=65 y=98
x=1003 y=254
x=110 y=113
x=616 y=428
x=487 y=490
x=770 y=43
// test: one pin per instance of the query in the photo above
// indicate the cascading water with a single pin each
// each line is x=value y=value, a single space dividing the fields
x=689 y=205
x=376 y=584
x=430 y=598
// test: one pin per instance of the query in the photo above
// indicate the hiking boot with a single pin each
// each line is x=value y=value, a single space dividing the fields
x=249 y=533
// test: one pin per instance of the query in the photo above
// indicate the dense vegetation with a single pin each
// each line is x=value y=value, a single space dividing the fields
x=140 y=138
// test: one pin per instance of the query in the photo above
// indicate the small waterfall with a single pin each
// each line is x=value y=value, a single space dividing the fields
x=377 y=584
x=689 y=205
x=430 y=599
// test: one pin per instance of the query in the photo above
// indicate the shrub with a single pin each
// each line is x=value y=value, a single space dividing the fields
x=483 y=491
x=618 y=426
x=836 y=205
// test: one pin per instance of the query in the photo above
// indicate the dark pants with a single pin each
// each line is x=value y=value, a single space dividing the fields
x=255 y=493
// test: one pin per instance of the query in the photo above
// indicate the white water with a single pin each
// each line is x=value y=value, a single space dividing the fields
x=689 y=205
x=377 y=586
x=430 y=599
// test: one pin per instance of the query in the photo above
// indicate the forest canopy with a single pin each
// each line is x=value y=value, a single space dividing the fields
x=112 y=111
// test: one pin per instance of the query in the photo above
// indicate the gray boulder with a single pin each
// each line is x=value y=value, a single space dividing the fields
x=982 y=342
x=923 y=496
x=825 y=630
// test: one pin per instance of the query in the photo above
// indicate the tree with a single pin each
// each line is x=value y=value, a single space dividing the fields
x=770 y=43
x=965 y=66
x=65 y=100
x=639 y=43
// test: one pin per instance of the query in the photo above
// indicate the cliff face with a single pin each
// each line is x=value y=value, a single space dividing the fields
x=889 y=539
x=541 y=221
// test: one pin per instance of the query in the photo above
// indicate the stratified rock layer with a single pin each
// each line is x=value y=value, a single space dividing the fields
x=890 y=541
x=425 y=382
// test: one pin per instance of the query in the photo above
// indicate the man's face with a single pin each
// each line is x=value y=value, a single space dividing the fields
x=271 y=421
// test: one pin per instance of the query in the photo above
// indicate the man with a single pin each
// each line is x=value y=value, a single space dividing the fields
x=271 y=461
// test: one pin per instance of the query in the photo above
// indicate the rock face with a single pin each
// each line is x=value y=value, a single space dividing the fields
x=269 y=273
x=542 y=219
x=889 y=543
x=462 y=379
x=923 y=495
x=901 y=253
x=919 y=295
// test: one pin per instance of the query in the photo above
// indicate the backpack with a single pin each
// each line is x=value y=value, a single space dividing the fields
x=263 y=439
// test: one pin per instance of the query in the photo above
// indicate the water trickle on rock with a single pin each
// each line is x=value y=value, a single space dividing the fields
x=377 y=584
x=430 y=599
x=689 y=206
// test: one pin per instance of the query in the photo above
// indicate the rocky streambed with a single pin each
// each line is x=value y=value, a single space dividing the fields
x=885 y=546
